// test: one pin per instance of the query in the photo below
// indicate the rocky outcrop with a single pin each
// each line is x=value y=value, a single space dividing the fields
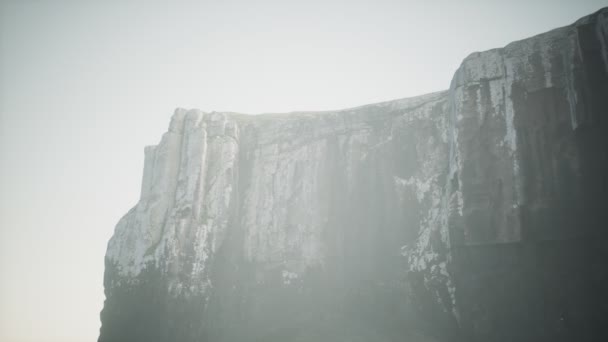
x=473 y=214
x=528 y=175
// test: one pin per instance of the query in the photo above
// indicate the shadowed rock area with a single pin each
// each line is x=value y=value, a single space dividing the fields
x=471 y=214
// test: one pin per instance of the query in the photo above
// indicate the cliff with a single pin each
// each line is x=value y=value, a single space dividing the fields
x=472 y=214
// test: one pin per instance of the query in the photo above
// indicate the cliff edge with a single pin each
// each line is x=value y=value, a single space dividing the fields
x=471 y=214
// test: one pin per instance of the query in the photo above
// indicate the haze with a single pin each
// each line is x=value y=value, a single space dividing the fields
x=85 y=85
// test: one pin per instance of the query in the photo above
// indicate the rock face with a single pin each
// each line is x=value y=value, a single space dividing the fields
x=472 y=214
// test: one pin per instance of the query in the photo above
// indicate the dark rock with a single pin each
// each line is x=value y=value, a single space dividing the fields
x=473 y=214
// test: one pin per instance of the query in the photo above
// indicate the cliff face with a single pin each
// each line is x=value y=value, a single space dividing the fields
x=471 y=214
x=529 y=171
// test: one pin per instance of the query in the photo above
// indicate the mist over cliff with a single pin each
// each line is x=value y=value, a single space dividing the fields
x=471 y=214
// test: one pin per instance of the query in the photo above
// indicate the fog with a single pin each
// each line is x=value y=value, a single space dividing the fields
x=85 y=85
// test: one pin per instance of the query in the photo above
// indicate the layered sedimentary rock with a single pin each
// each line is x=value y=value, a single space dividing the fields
x=472 y=214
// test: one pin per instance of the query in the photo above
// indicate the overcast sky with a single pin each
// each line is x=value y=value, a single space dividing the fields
x=85 y=85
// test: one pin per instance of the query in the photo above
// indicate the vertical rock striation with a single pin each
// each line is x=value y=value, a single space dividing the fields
x=472 y=214
x=279 y=227
x=529 y=171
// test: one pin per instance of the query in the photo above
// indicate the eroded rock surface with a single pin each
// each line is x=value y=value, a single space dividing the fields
x=472 y=214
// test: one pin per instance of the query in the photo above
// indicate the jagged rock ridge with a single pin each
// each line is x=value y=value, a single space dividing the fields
x=472 y=214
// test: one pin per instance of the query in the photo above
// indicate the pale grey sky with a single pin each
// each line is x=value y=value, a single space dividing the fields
x=86 y=84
